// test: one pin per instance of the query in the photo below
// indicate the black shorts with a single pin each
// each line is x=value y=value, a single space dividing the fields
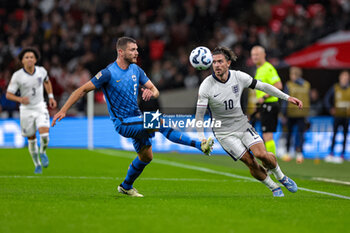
x=269 y=116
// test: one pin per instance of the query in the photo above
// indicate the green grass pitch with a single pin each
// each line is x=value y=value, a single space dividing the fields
x=183 y=193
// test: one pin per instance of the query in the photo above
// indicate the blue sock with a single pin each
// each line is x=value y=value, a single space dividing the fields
x=178 y=137
x=135 y=169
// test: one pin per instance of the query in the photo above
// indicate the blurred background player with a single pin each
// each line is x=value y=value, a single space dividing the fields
x=268 y=105
x=120 y=83
x=316 y=103
x=33 y=110
x=300 y=88
x=337 y=100
x=222 y=92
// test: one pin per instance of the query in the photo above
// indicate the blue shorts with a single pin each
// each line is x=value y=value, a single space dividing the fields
x=132 y=127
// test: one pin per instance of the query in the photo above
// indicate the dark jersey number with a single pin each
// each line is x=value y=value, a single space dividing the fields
x=34 y=91
x=252 y=131
x=228 y=104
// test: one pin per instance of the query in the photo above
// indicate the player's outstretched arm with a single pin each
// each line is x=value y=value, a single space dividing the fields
x=271 y=90
x=150 y=91
x=74 y=97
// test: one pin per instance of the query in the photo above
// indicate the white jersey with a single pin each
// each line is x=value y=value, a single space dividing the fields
x=224 y=100
x=30 y=86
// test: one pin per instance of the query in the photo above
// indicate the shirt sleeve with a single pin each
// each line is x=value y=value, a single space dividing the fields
x=101 y=78
x=202 y=98
x=143 y=77
x=46 y=76
x=13 y=86
x=246 y=80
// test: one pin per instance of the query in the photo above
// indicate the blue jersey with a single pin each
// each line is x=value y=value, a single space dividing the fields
x=121 y=88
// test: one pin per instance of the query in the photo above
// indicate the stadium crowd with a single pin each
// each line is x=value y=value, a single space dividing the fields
x=76 y=37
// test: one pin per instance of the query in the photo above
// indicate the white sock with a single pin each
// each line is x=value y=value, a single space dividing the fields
x=44 y=141
x=270 y=183
x=277 y=172
x=33 y=150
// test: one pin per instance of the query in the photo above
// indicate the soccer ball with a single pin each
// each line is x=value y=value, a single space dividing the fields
x=201 y=58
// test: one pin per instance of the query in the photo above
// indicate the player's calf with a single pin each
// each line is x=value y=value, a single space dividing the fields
x=135 y=169
x=44 y=141
x=33 y=150
x=181 y=138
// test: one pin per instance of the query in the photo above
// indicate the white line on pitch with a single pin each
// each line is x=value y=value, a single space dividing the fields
x=207 y=170
x=325 y=193
x=110 y=178
x=59 y=177
x=181 y=165
x=331 y=180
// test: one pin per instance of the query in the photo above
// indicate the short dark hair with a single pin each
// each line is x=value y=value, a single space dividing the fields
x=228 y=53
x=29 y=49
x=123 y=41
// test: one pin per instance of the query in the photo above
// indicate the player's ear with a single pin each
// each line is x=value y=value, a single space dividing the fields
x=229 y=63
x=120 y=51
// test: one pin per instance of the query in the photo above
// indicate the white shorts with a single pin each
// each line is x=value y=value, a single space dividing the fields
x=33 y=119
x=237 y=143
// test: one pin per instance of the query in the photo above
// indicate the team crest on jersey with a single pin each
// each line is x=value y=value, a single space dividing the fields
x=133 y=77
x=98 y=75
x=235 y=89
x=40 y=80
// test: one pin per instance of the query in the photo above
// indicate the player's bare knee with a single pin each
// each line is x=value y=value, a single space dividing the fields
x=43 y=130
x=271 y=155
x=149 y=157
x=146 y=154
x=261 y=154
x=145 y=158
x=32 y=137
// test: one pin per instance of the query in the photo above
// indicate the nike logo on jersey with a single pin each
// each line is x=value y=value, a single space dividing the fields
x=216 y=95
x=118 y=81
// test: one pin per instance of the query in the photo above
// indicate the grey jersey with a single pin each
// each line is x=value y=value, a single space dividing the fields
x=30 y=85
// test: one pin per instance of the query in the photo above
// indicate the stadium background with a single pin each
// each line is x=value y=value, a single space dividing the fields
x=183 y=192
x=77 y=38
